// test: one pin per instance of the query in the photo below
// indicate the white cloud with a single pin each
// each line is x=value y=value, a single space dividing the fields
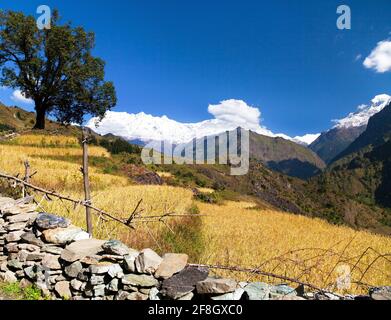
x=380 y=57
x=358 y=57
x=18 y=96
x=238 y=113
x=364 y=113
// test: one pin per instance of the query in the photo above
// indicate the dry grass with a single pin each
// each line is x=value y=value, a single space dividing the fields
x=114 y=194
x=231 y=234
x=290 y=245
x=206 y=190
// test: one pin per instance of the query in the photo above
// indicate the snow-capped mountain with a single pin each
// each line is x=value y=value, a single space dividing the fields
x=228 y=115
x=307 y=139
x=363 y=113
x=332 y=142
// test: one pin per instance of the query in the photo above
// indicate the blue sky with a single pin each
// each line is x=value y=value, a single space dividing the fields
x=288 y=58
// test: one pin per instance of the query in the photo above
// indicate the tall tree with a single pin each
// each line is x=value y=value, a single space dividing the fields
x=54 y=67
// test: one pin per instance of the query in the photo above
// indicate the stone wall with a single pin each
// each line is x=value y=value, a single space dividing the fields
x=47 y=251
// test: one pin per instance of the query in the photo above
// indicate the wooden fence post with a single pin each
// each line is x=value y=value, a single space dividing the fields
x=87 y=191
x=26 y=177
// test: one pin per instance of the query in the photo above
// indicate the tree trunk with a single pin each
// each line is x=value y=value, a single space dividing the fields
x=40 y=118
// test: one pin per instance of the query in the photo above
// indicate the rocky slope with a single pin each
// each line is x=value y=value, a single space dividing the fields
x=333 y=142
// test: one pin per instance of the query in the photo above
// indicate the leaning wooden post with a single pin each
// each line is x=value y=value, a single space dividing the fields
x=26 y=177
x=87 y=191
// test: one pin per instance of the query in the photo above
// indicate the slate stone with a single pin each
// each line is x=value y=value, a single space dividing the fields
x=282 y=290
x=25 y=217
x=232 y=296
x=130 y=260
x=148 y=261
x=47 y=221
x=183 y=282
x=216 y=286
x=81 y=249
x=381 y=293
x=96 y=280
x=99 y=291
x=9 y=277
x=30 y=237
x=141 y=280
x=100 y=268
x=115 y=247
x=73 y=269
x=51 y=262
x=15 y=265
x=52 y=249
x=14 y=236
x=172 y=263
x=257 y=291
x=115 y=270
x=62 y=288
x=113 y=285
x=63 y=236
x=137 y=296
x=76 y=284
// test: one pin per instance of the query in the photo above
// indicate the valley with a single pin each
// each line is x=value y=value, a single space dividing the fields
x=285 y=224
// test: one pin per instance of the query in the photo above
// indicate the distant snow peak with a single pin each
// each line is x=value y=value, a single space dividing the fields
x=306 y=139
x=228 y=115
x=364 y=113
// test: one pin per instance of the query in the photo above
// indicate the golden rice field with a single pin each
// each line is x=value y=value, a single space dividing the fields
x=291 y=245
x=230 y=234
x=114 y=194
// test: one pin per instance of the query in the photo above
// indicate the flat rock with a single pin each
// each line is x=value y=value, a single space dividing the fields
x=17 y=209
x=115 y=271
x=183 y=282
x=141 y=280
x=15 y=265
x=91 y=260
x=148 y=261
x=53 y=249
x=216 y=286
x=35 y=256
x=47 y=221
x=137 y=296
x=14 y=236
x=81 y=249
x=172 y=263
x=100 y=268
x=25 y=217
x=96 y=280
x=73 y=269
x=63 y=236
x=62 y=288
x=51 y=262
x=16 y=226
x=282 y=290
x=257 y=291
x=381 y=293
x=232 y=296
x=115 y=247
x=30 y=237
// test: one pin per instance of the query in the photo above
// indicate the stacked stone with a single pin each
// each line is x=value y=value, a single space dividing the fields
x=47 y=251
